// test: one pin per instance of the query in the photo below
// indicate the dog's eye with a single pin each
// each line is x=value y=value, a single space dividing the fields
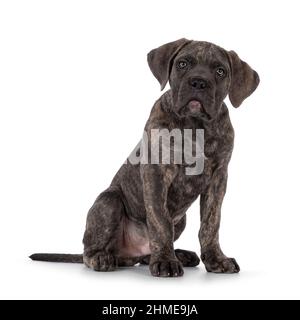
x=220 y=72
x=182 y=64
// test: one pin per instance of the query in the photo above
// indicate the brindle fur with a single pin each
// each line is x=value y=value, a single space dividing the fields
x=143 y=211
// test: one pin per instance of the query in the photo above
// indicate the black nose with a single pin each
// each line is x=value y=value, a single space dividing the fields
x=198 y=83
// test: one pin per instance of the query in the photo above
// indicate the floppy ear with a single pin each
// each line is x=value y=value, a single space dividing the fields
x=160 y=60
x=244 y=80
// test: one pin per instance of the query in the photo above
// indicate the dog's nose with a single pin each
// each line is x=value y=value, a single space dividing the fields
x=198 y=83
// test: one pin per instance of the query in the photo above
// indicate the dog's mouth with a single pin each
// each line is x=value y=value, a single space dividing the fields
x=195 y=108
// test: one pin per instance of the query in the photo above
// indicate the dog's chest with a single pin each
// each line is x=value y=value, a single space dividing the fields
x=185 y=189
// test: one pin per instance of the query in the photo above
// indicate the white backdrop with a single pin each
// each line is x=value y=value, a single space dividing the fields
x=75 y=93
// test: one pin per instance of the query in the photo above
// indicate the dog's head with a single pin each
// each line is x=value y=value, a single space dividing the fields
x=201 y=75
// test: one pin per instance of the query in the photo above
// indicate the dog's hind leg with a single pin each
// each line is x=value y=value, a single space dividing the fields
x=187 y=258
x=103 y=228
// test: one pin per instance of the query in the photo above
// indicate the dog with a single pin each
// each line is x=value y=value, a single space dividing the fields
x=142 y=213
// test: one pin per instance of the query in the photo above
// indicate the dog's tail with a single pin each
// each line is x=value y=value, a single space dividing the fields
x=57 y=257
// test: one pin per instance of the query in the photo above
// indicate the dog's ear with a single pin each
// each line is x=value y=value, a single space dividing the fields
x=160 y=60
x=244 y=80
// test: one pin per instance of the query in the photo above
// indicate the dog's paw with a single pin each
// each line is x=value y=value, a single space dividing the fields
x=187 y=258
x=101 y=261
x=166 y=268
x=220 y=265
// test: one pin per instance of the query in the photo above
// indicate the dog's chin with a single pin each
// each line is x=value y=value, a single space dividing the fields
x=194 y=108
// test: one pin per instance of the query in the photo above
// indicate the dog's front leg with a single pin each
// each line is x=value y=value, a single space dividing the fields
x=210 y=203
x=156 y=181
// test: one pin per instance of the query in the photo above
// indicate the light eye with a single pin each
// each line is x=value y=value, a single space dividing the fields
x=182 y=64
x=220 y=72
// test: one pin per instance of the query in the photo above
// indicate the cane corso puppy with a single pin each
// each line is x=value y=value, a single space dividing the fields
x=143 y=211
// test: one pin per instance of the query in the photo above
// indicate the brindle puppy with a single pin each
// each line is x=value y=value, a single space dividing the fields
x=143 y=211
